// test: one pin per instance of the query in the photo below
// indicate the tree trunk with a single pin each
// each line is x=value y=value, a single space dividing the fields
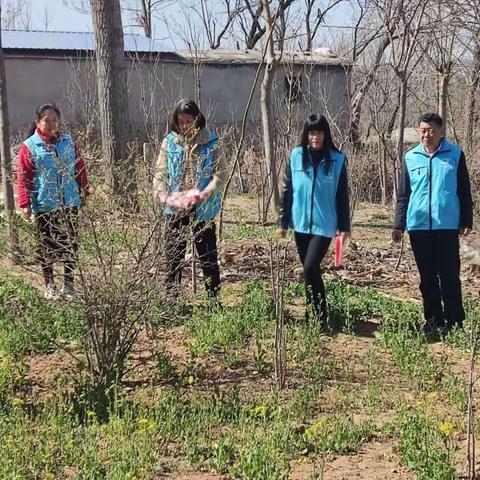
x=401 y=130
x=9 y=202
x=472 y=90
x=308 y=28
x=147 y=18
x=112 y=97
x=357 y=100
x=444 y=81
x=266 y=108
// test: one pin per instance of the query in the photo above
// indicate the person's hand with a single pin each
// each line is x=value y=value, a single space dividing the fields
x=465 y=231
x=281 y=232
x=27 y=212
x=397 y=235
x=192 y=197
x=159 y=197
x=83 y=217
x=202 y=196
x=344 y=235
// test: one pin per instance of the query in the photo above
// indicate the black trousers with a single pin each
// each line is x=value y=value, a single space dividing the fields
x=312 y=250
x=438 y=260
x=177 y=231
x=57 y=242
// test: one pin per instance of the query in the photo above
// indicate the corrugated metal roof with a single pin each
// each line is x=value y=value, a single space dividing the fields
x=317 y=57
x=42 y=40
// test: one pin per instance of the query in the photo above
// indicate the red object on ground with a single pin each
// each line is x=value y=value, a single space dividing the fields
x=338 y=252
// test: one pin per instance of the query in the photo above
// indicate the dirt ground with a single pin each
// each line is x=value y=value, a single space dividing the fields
x=371 y=260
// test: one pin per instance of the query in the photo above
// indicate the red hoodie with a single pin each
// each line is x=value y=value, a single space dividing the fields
x=26 y=171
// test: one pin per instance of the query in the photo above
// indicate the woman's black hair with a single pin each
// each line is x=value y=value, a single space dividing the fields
x=190 y=108
x=317 y=123
x=39 y=114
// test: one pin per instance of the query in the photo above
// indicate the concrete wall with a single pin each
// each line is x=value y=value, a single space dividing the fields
x=155 y=86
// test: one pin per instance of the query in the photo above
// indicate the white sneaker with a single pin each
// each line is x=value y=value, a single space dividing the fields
x=51 y=292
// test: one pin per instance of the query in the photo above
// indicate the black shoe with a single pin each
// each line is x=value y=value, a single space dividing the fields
x=434 y=329
x=454 y=326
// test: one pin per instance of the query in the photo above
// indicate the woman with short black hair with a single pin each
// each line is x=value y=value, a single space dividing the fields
x=315 y=204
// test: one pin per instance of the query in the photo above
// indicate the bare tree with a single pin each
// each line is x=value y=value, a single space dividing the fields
x=5 y=158
x=142 y=13
x=266 y=104
x=250 y=19
x=215 y=29
x=372 y=45
x=320 y=14
x=439 y=49
x=358 y=96
x=470 y=11
x=112 y=94
x=403 y=20
x=17 y=14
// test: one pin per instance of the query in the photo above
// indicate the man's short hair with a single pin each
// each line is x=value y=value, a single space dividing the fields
x=431 y=117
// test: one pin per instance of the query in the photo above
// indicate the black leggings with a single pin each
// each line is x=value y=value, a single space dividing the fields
x=312 y=250
x=178 y=229
x=57 y=242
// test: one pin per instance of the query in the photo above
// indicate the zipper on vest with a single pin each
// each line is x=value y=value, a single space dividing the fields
x=313 y=193
x=430 y=193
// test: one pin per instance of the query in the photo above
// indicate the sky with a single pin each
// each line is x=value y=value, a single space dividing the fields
x=60 y=17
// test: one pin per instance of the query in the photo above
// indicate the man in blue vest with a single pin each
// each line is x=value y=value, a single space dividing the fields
x=435 y=206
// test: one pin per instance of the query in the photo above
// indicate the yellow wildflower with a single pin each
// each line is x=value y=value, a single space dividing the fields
x=312 y=431
x=432 y=397
x=143 y=422
x=17 y=402
x=259 y=410
x=447 y=429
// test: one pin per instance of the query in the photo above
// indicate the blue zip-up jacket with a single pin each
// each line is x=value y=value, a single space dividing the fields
x=210 y=207
x=434 y=191
x=54 y=183
x=315 y=201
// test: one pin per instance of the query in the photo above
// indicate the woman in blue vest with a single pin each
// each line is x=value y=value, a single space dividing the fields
x=52 y=184
x=315 y=205
x=189 y=161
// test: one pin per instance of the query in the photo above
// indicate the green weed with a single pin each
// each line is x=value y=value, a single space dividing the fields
x=425 y=444
x=28 y=322
x=338 y=435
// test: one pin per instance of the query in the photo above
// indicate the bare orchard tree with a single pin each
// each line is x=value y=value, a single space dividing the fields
x=440 y=46
x=314 y=17
x=142 y=12
x=367 y=55
x=383 y=108
x=9 y=203
x=266 y=105
x=470 y=12
x=217 y=24
x=404 y=21
x=112 y=95
x=17 y=14
x=250 y=20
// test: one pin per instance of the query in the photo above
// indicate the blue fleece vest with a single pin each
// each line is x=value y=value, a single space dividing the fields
x=434 y=202
x=210 y=207
x=314 y=208
x=54 y=182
